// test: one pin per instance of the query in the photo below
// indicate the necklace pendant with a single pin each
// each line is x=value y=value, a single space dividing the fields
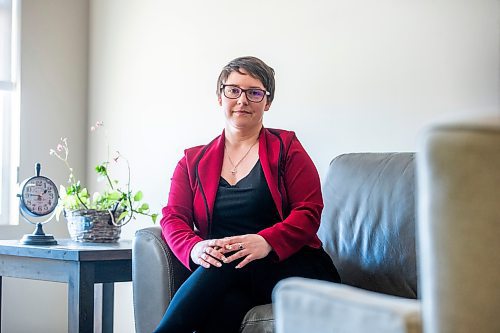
x=233 y=172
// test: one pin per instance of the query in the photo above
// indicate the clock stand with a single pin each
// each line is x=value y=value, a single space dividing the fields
x=38 y=237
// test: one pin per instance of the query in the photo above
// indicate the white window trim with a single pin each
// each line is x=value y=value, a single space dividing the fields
x=9 y=214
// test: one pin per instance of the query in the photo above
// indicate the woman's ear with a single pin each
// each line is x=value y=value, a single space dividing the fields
x=219 y=98
x=268 y=105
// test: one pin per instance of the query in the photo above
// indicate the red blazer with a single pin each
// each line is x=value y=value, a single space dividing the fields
x=296 y=192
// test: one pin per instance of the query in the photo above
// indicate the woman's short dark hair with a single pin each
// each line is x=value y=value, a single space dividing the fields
x=253 y=66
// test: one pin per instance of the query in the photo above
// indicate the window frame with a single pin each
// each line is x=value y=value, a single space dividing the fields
x=10 y=126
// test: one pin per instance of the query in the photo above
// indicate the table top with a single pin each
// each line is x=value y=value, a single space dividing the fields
x=67 y=249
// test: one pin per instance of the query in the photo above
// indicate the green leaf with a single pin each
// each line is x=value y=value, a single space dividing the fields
x=96 y=197
x=154 y=217
x=122 y=216
x=84 y=193
x=138 y=196
x=113 y=196
x=72 y=189
x=101 y=169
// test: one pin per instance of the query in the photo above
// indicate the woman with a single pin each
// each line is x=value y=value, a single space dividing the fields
x=243 y=211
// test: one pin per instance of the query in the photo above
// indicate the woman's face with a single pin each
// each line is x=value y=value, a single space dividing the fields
x=241 y=113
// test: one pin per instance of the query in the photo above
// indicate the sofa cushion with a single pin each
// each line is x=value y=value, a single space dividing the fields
x=368 y=223
x=314 y=306
x=259 y=319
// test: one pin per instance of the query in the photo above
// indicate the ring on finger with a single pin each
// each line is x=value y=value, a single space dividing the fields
x=240 y=246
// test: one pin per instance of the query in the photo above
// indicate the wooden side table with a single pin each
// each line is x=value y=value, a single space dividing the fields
x=80 y=265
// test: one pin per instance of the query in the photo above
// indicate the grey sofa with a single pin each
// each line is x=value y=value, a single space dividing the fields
x=368 y=228
x=458 y=232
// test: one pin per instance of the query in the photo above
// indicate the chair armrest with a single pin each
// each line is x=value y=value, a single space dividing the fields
x=306 y=305
x=156 y=276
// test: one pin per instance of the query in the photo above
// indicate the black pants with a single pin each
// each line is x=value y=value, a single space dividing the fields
x=217 y=299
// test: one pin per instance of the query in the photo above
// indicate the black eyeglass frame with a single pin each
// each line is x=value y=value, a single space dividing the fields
x=222 y=86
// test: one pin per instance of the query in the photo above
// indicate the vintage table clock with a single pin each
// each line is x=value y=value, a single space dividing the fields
x=37 y=203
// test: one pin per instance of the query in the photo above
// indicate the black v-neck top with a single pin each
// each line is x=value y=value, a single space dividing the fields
x=246 y=207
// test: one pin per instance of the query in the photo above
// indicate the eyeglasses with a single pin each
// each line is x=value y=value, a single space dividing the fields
x=253 y=94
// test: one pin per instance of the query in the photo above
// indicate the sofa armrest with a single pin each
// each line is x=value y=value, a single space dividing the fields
x=156 y=276
x=305 y=305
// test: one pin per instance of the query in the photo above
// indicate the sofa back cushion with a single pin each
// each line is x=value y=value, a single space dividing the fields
x=368 y=223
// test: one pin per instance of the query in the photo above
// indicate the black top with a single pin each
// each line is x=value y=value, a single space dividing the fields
x=246 y=207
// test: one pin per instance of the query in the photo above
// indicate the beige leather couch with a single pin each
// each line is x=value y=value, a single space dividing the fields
x=459 y=228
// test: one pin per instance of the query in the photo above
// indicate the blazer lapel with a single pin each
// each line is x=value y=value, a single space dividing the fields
x=269 y=150
x=209 y=170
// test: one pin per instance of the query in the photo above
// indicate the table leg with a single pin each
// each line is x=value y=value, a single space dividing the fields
x=97 y=308
x=0 y=304
x=108 y=294
x=81 y=298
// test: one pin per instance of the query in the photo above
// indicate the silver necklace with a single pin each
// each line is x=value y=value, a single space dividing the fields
x=235 y=166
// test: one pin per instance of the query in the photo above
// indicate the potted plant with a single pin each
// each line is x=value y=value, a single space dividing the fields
x=98 y=218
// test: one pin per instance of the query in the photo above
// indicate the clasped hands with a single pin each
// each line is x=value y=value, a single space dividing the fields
x=212 y=252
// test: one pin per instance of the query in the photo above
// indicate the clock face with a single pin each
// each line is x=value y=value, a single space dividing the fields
x=39 y=196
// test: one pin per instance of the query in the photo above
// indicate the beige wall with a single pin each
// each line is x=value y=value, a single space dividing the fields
x=54 y=57
x=351 y=76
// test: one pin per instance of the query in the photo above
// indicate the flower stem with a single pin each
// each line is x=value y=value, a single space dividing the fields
x=73 y=181
x=109 y=180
